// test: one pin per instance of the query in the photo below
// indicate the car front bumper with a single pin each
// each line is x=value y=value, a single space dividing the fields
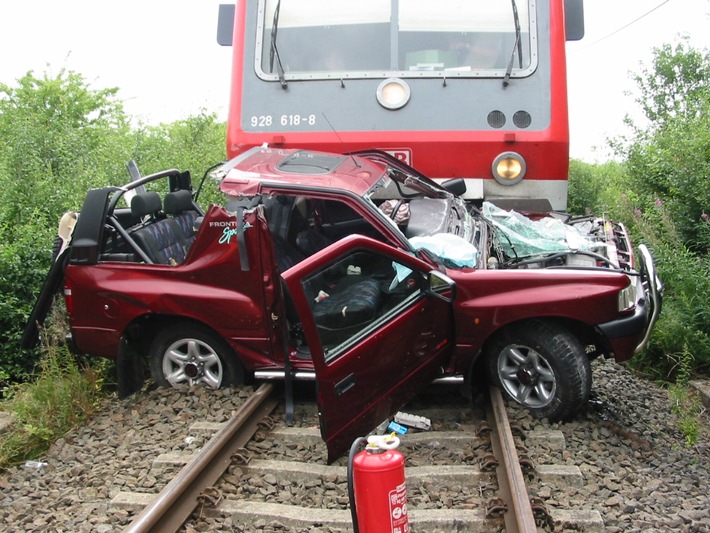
x=630 y=334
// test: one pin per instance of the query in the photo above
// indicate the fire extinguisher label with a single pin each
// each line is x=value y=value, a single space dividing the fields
x=398 y=510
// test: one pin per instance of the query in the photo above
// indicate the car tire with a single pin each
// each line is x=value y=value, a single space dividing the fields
x=193 y=355
x=541 y=366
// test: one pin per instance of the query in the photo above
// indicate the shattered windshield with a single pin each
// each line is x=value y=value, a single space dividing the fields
x=520 y=238
x=320 y=39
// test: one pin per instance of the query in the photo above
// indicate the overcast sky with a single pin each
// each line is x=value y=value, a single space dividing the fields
x=164 y=58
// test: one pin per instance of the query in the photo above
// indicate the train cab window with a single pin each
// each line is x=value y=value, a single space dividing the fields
x=320 y=39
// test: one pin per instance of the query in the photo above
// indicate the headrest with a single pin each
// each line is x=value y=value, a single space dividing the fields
x=178 y=201
x=146 y=204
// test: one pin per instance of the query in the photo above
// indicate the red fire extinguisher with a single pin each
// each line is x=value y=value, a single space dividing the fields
x=378 y=497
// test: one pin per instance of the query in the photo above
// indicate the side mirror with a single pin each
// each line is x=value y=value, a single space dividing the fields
x=225 y=24
x=441 y=286
x=455 y=186
x=574 y=19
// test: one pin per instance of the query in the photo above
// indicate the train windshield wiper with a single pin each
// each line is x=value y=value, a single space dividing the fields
x=517 y=47
x=274 y=50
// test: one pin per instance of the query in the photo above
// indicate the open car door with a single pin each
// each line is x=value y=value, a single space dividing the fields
x=379 y=327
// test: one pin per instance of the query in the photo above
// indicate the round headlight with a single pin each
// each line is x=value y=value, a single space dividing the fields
x=508 y=168
x=393 y=93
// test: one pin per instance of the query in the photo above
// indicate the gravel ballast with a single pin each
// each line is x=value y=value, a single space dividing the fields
x=637 y=471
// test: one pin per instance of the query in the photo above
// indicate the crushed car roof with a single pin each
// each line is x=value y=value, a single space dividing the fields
x=248 y=175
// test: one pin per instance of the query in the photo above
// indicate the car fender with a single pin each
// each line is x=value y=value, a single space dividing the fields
x=490 y=300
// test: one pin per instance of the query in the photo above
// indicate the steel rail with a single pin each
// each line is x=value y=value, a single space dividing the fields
x=174 y=504
x=510 y=476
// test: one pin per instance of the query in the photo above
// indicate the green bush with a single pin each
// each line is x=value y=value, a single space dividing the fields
x=61 y=396
x=673 y=168
x=682 y=332
x=660 y=192
x=59 y=138
x=24 y=260
x=194 y=144
x=683 y=329
x=668 y=159
x=596 y=188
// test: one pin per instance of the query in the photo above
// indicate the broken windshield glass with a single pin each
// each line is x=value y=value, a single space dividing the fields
x=525 y=237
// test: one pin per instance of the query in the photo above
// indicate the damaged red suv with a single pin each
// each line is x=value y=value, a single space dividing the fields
x=355 y=271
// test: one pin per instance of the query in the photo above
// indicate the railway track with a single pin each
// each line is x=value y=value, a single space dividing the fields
x=471 y=472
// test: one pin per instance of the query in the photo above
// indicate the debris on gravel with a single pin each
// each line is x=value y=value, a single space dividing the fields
x=637 y=471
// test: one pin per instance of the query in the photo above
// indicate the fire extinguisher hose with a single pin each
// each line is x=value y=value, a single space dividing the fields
x=354 y=448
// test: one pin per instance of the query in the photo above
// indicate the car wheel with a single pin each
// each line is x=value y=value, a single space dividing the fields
x=193 y=355
x=541 y=366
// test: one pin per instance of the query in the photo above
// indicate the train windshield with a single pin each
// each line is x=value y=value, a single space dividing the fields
x=321 y=39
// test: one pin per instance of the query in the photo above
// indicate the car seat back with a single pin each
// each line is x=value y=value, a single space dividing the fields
x=158 y=237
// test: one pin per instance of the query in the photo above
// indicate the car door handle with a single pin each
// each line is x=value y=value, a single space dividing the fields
x=344 y=385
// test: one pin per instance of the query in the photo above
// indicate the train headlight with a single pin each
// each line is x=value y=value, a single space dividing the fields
x=508 y=168
x=393 y=93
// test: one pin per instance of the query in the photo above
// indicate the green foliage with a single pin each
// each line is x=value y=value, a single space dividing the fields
x=59 y=138
x=196 y=143
x=674 y=168
x=685 y=401
x=668 y=161
x=24 y=261
x=661 y=193
x=675 y=86
x=61 y=397
x=584 y=187
x=193 y=143
x=668 y=169
x=594 y=188
x=687 y=409
x=684 y=325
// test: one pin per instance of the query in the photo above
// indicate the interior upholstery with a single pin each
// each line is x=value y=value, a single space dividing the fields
x=159 y=238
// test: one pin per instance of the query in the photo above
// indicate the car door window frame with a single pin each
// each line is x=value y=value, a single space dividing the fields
x=356 y=283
